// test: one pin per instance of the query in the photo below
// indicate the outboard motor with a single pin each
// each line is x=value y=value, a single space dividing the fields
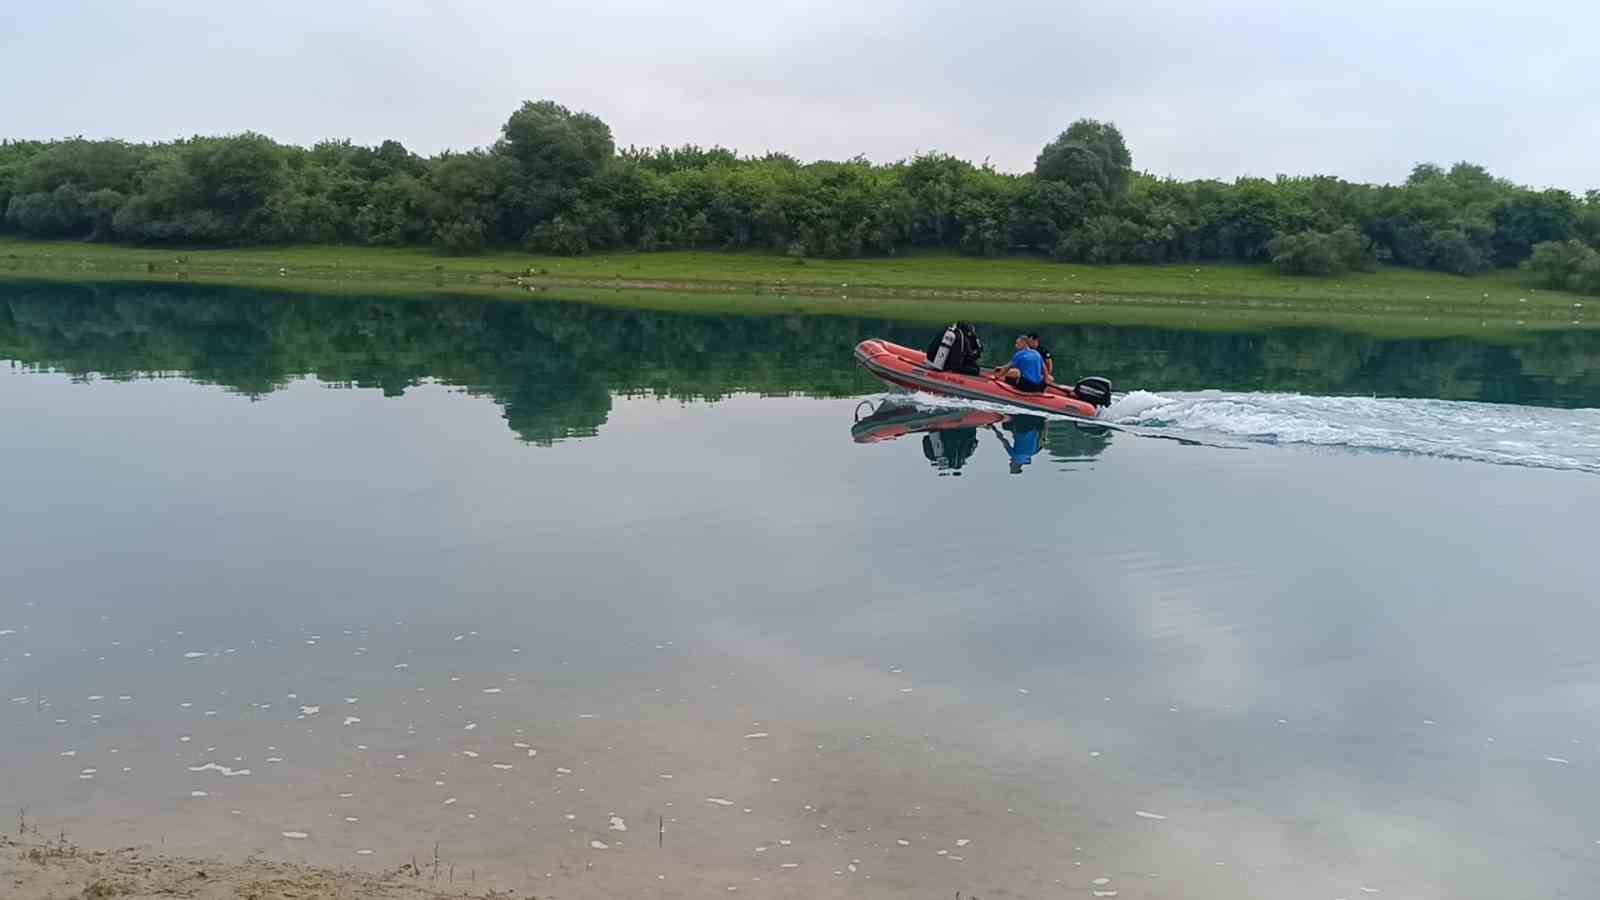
x=1093 y=389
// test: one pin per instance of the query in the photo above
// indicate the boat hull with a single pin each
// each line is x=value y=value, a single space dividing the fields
x=908 y=368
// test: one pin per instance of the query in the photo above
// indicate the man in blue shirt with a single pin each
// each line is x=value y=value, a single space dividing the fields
x=1026 y=370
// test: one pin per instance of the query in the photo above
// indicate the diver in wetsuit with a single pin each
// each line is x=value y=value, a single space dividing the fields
x=956 y=349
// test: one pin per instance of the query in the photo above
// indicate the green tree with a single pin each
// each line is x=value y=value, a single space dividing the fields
x=555 y=144
x=1526 y=218
x=1090 y=156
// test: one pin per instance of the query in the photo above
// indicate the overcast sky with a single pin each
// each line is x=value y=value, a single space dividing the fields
x=1201 y=88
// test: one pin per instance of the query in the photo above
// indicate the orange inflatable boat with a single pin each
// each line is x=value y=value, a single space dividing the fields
x=908 y=368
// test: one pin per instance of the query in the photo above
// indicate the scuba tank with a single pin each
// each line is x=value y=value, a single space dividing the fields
x=941 y=357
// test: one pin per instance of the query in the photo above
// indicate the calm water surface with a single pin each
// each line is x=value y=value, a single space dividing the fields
x=607 y=603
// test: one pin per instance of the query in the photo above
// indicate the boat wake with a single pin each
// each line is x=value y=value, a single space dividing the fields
x=1448 y=429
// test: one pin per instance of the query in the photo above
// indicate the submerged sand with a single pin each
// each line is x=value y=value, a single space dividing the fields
x=40 y=870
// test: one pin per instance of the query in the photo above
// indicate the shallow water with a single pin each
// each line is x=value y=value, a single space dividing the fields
x=347 y=576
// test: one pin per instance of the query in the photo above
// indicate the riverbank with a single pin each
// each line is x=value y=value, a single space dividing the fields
x=42 y=870
x=927 y=287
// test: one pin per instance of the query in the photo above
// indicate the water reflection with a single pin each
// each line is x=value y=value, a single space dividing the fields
x=554 y=368
x=950 y=436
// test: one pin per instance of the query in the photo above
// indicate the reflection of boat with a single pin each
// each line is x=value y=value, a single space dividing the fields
x=895 y=420
x=950 y=436
x=908 y=368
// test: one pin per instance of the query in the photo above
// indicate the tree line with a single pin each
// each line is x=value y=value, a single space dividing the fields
x=555 y=182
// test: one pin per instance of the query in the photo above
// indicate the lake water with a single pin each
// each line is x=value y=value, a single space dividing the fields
x=598 y=603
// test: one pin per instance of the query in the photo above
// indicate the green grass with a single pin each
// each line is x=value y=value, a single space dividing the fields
x=924 y=286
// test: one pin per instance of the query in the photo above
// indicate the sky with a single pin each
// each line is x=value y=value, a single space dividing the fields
x=1361 y=89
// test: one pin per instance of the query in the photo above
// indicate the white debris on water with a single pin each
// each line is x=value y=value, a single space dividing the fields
x=617 y=824
x=194 y=654
x=719 y=801
x=1148 y=815
x=223 y=770
x=600 y=845
x=295 y=835
x=755 y=735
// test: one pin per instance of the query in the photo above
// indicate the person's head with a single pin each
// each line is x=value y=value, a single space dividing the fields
x=1033 y=339
x=1016 y=467
x=1022 y=342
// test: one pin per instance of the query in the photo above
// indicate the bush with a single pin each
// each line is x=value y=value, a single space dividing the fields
x=1454 y=250
x=461 y=237
x=57 y=213
x=1322 y=253
x=560 y=236
x=1102 y=239
x=1566 y=265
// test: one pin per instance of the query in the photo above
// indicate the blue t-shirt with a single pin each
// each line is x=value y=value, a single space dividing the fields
x=1030 y=364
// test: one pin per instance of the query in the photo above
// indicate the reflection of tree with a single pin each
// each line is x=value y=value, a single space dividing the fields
x=1075 y=441
x=554 y=366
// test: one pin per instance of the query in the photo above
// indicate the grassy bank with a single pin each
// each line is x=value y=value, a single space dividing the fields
x=918 y=286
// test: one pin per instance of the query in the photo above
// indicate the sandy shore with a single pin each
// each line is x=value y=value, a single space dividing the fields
x=37 y=870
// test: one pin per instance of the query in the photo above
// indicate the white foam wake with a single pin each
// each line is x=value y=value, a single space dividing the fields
x=1449 y=429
